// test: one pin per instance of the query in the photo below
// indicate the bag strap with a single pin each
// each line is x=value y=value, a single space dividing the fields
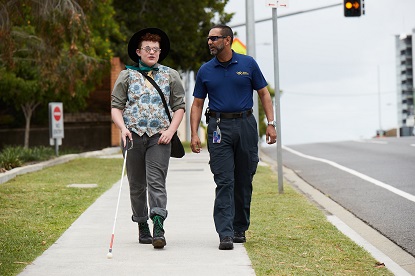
x=161 y=93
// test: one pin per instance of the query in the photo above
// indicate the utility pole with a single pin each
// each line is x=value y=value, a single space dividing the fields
x=250 y=45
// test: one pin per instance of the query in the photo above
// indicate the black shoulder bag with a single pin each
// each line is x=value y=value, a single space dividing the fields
x=177 y=149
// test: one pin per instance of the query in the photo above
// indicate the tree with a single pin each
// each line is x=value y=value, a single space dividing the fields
x=51 y=50
x=186 y=22
x=24 y=93
x=58 y=50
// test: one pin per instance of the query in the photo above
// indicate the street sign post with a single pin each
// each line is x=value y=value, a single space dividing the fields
x=276 y=3
x=56 y=130
x=277 y=92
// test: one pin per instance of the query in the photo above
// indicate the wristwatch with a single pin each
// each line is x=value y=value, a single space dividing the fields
x=272 y=123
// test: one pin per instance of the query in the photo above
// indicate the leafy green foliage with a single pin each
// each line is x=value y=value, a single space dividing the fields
x=186 y=22
x=12 y=157
x=60 y=50
x=9 y=159
x=53 y=51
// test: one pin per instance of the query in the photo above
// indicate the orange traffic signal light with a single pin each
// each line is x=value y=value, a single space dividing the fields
x=352 y=8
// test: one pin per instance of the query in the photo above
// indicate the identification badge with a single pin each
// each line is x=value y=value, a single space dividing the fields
x=216 y=136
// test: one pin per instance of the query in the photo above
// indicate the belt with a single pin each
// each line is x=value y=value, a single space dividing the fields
x=231 y=115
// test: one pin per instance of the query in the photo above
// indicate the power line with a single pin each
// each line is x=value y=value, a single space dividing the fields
x=288 y=14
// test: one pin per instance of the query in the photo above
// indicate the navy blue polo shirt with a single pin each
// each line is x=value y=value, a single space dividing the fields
x=229 y=89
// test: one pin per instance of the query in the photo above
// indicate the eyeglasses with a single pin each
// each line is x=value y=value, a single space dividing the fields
x=149 y=49
x=215 y=37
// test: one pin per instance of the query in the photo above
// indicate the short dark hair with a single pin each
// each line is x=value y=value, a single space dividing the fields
x=224 y=30
x=149 y=37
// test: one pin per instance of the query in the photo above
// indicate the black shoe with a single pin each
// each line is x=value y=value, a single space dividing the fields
x=144 y=234
x=239 y=237
x=159 y=241
x=226 y=243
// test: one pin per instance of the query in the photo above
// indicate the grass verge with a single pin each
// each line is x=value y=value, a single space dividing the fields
x=37 y=208
x=288 y=234
x=291 y=236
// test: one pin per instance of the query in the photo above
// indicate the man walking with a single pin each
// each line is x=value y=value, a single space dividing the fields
x=229 y=80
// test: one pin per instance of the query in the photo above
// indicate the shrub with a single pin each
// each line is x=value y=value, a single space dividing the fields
x=37 y=154
x=9 y=158
x=12 y=157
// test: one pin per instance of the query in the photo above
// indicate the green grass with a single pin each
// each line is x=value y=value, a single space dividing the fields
x=37 y=208
x=291 y=236
x=288 y=234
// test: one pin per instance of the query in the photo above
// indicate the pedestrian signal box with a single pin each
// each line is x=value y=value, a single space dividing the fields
x=352 y=8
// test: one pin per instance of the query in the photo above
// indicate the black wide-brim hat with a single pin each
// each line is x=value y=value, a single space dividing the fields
x=136 y=38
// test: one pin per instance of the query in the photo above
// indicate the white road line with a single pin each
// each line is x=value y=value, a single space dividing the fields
x=371 y=141
x=356 y=173
x=376 y=253
x=412 y=145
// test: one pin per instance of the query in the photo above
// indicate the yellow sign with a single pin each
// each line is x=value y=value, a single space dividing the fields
x=238 y=46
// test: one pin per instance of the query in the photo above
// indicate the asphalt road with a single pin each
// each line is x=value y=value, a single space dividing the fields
x=373 y=179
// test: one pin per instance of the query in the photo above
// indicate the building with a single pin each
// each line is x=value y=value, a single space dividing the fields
x=405 y=64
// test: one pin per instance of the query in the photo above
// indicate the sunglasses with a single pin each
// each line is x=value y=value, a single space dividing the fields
x=215 y=37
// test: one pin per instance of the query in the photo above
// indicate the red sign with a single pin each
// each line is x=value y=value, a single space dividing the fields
x=56 y=132
x=57 y=114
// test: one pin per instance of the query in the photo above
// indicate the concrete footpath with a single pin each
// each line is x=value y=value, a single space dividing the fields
x=192 y=242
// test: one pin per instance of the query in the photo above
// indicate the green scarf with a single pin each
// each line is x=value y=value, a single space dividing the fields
x=143 y=68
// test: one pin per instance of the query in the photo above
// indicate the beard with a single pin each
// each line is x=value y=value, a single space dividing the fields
x=216 y=50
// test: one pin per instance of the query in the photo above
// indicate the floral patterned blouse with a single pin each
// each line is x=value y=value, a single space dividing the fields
x=143 y=109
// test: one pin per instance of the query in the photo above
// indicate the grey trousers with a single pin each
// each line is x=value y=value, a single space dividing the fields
x=147 y=164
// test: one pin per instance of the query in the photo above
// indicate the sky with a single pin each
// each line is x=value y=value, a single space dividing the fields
x=337 y=74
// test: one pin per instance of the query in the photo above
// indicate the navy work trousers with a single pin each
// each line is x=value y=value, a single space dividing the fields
x=233 y=163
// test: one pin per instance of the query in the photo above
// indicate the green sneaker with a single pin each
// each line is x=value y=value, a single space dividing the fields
x=159 y=241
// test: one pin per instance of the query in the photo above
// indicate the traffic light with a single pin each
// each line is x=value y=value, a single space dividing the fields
x=352 y=8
